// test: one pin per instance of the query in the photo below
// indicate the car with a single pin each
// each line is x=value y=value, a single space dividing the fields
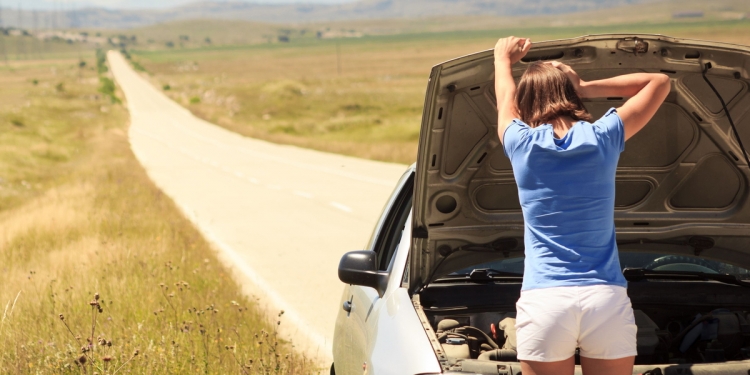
x=434 y=291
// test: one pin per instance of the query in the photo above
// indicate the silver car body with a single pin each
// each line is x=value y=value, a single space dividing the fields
x=691 y=186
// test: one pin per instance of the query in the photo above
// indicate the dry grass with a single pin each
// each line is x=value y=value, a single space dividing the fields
x=16 y=48
x=205 y=32
x=101 y=274
x=361 y=97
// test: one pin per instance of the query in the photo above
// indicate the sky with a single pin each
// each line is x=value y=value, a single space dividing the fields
x=133 y=4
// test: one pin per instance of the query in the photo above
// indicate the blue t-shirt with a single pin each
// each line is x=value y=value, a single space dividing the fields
x=567 y=192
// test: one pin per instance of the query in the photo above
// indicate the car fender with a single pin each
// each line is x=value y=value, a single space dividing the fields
x=399 y=343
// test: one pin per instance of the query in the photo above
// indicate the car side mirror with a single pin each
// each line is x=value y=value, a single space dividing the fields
x=361 y=268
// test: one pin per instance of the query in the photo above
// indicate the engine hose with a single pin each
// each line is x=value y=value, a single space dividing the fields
x=489 y=339
x=706 y=67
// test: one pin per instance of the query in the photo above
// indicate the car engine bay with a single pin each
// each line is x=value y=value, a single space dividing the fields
x=679 y=323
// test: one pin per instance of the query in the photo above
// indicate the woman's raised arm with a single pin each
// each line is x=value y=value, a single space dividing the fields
x=646 y=91
x=507 y=52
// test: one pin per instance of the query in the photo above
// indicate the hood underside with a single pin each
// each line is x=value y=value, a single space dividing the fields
x=683 y=175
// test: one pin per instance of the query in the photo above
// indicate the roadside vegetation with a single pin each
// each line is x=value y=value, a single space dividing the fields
x=101 y=273
x=356 y=96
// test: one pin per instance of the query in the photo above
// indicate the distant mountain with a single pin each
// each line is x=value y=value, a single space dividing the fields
x=298 y=13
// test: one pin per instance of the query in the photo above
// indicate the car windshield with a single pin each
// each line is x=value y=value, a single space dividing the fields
x=648 y=261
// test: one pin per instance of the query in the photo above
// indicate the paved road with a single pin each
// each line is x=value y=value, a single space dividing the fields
x=279 y=216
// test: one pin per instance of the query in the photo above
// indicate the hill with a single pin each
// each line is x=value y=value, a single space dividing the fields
x=296 y=13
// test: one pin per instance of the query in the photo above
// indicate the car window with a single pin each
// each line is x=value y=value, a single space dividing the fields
x=393 y=226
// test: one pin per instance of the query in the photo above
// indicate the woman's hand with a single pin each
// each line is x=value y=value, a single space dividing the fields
x=572 y=76
x=511 y=49
x=507 y=52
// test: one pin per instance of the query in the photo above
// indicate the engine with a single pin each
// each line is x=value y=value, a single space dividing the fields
x=665 y=336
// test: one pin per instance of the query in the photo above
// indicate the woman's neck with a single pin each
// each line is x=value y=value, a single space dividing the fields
x=561 y=125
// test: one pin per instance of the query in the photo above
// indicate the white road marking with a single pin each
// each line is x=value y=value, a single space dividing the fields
x=341 y=207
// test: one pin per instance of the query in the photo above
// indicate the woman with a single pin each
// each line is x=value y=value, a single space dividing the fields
x=573 y=294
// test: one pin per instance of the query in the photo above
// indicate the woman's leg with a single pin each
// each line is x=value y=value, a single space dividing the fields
x=620 y=366
x=564 y=367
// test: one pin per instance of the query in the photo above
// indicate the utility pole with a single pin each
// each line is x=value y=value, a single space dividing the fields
x=78 y=43
x=2 y=35
x=35 y=31
x=20 y=42
x=338 y=57
x=65 y=21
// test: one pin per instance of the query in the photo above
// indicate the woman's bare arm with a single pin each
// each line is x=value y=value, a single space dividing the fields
x=507 y=52
x=646 y=91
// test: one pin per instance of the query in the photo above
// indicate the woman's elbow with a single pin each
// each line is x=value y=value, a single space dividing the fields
x=663 y=80
x=663 y=84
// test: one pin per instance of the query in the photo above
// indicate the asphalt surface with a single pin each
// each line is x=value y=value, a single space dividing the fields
x=279 y=216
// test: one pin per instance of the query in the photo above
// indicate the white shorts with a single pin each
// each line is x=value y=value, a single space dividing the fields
x=552 y=322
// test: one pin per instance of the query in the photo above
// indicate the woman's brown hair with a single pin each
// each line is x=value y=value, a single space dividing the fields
x=545 y=93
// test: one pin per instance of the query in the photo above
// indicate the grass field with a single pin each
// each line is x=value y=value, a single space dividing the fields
x=101 y=273
x=356 y=96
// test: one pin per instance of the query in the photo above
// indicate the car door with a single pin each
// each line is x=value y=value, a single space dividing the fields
x=360 y=301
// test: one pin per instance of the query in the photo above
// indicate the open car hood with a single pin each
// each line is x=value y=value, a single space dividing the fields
x=683 y=178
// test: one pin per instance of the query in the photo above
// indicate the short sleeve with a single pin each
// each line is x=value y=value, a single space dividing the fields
x=611 y=130
x=515 y=133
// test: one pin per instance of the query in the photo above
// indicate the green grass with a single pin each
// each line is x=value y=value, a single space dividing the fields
x=101 y=273
x=357 y=96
